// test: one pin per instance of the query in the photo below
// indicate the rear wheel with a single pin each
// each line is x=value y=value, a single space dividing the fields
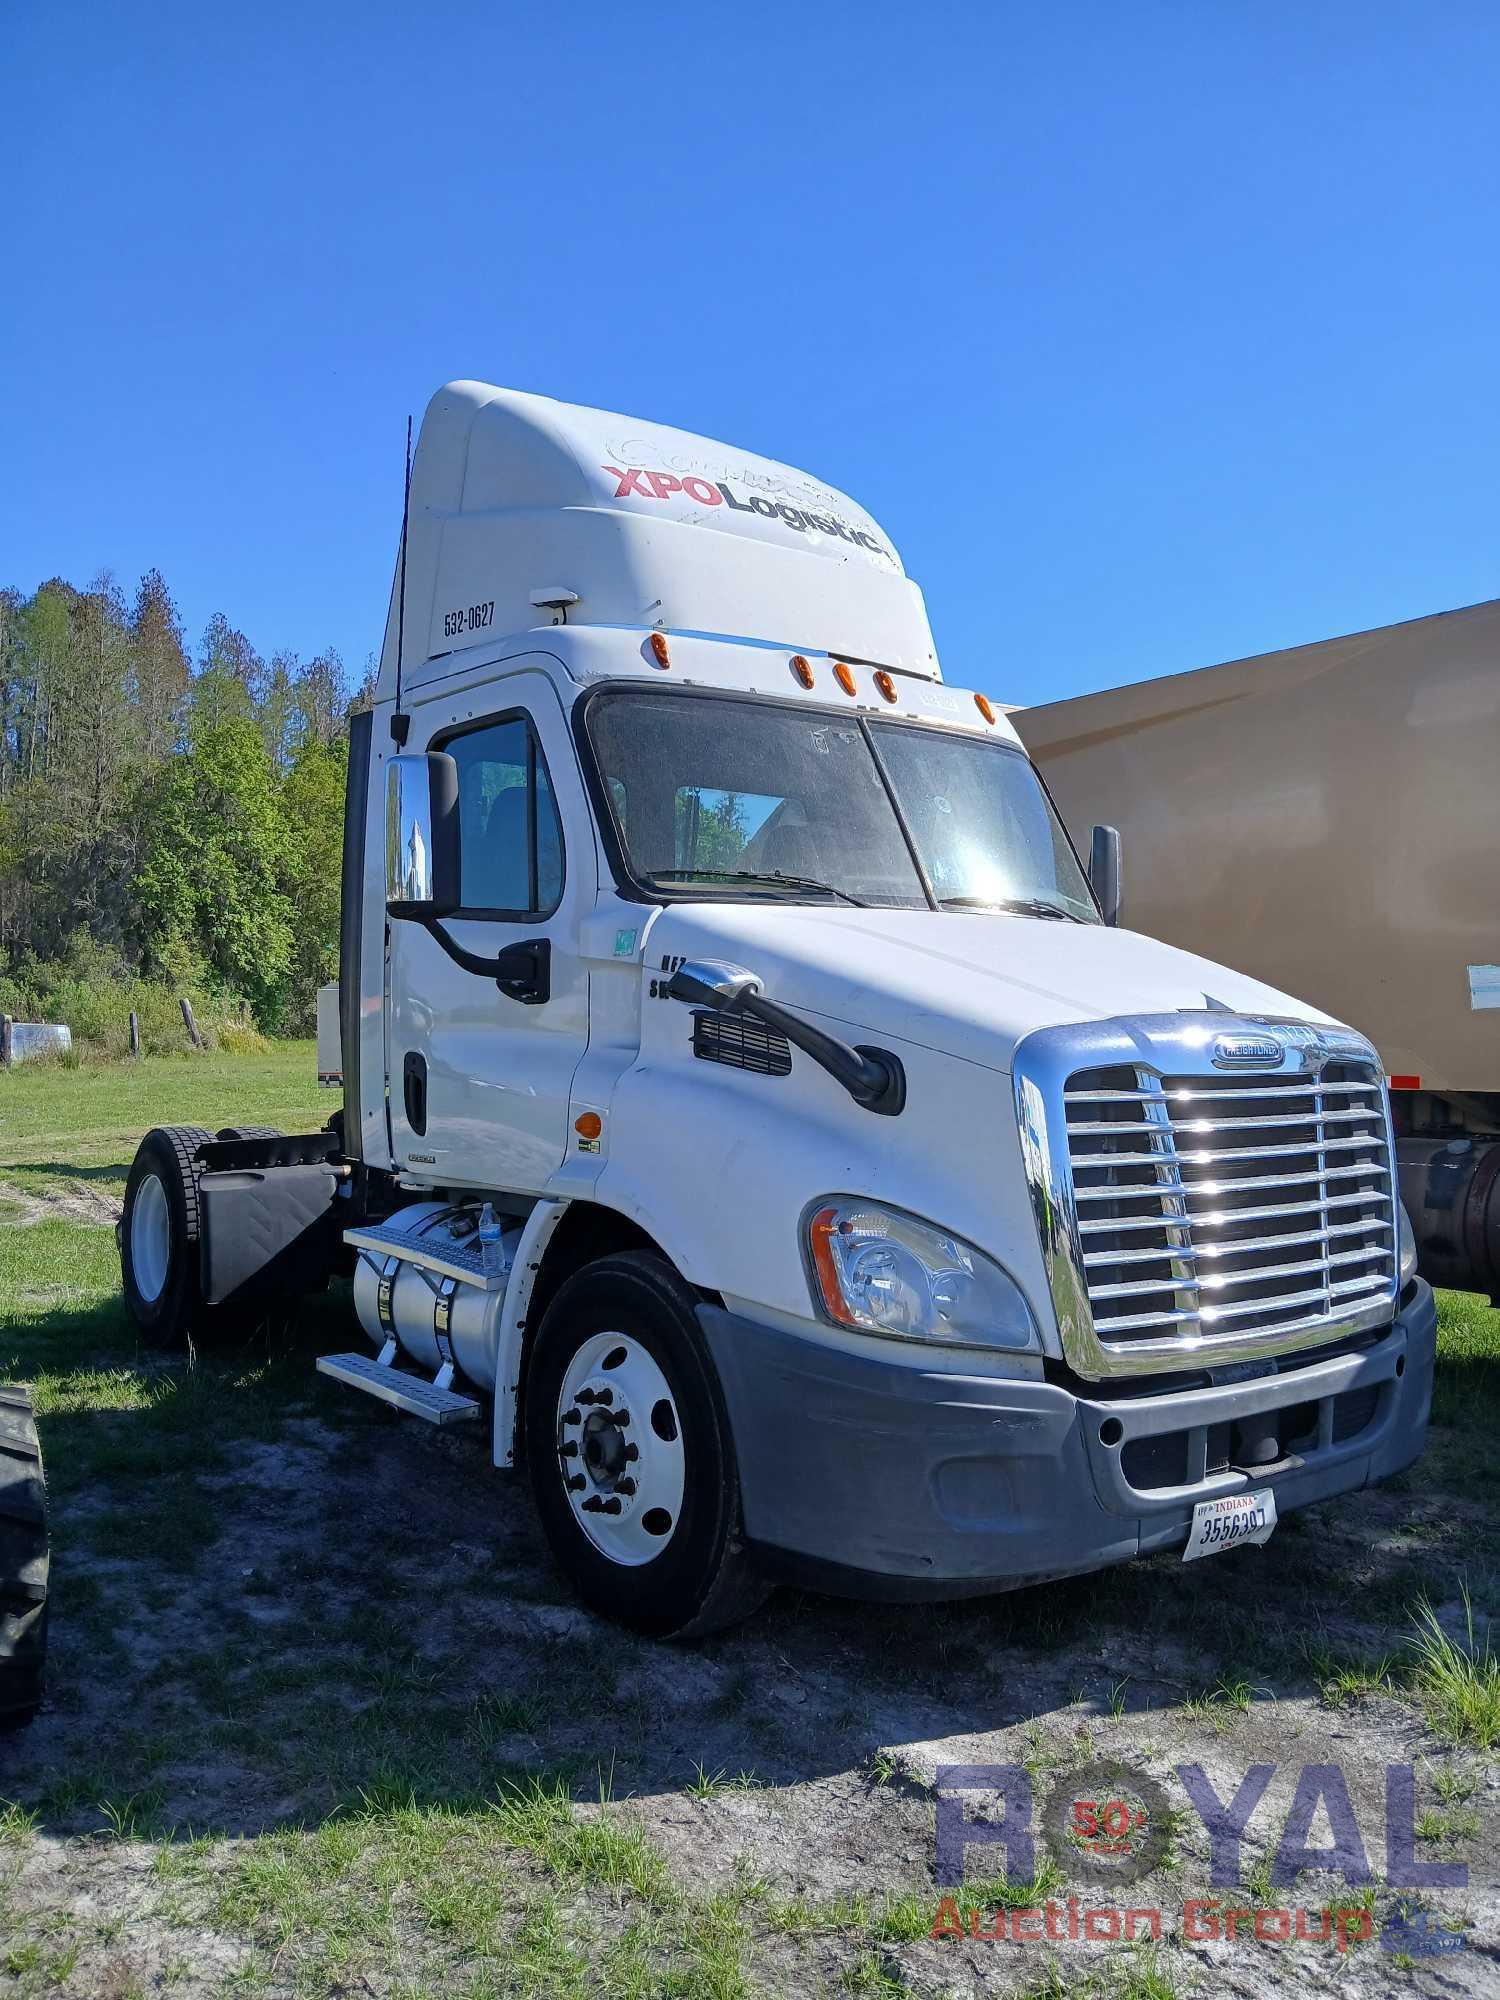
x=159 y=1236
x=630 y=1453
x=24 y=1559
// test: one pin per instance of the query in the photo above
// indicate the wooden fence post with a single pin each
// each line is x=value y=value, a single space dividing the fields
x=135 y=1033
x=5 y=1028
x=190 y=1024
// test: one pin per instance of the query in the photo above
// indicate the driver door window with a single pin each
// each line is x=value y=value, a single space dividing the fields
x=510 y=839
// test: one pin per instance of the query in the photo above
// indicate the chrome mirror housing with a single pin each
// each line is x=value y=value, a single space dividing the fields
x=710 y=982
x=421 y=835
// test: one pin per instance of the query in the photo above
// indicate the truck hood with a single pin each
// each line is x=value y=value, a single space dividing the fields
x=968 y=983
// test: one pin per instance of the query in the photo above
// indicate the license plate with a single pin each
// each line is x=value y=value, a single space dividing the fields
x=1226 y=1523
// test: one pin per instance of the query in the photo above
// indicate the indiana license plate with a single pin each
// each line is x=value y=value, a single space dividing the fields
x=1226 y=1523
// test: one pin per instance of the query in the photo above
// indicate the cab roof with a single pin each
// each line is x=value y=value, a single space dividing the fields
x=527 y=513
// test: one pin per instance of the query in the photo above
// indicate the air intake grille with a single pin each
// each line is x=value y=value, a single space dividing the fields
x=1230 y=1205
x=741 y=1043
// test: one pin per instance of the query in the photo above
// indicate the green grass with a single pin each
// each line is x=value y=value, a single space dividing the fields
x=1457 y=1679
x=60 y=1125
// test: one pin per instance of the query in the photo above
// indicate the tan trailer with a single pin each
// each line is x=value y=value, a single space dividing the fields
x=1328 y=818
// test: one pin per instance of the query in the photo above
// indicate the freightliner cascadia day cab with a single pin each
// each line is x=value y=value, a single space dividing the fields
x=752 y=1111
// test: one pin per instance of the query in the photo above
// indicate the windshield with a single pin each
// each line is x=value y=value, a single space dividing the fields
x=746 y=799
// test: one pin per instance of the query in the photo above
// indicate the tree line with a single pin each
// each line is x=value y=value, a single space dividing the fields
x=162 y=816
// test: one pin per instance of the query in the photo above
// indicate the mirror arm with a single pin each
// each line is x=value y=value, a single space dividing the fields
x=874 y=1078
x=521 y=971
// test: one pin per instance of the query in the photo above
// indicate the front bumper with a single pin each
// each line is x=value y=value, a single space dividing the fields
x=884 y=1478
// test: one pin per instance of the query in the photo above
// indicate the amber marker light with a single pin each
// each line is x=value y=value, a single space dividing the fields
x=985 y=706
x=659 y=647
x=802 y=670
x=886 y=685
x=819 y=1230
x=843 y=676
x=588 y=1124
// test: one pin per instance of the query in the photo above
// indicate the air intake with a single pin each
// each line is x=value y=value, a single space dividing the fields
x=740 y=1043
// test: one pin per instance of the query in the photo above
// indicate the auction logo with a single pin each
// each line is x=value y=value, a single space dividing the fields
x=1110 y=1825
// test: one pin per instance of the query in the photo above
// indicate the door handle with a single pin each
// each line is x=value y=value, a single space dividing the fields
x=524 y=971
x=414 y=1092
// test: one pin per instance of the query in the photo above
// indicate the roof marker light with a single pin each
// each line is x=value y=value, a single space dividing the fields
x=886 y=685
x=802 y=670
x=659 y=647
x=985 y=706
x=843 y=676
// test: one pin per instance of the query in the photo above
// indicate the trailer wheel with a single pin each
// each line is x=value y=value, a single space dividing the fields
x=631 y=1458
x=159 y=1235
x=24 y=1559
x=250 y=1132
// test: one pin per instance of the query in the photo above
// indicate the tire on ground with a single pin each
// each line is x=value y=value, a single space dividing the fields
x=158 y=1236
x=23 y=1559
x=703 y=1579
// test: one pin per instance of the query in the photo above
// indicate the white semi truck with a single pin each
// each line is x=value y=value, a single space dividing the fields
x=752 y=1111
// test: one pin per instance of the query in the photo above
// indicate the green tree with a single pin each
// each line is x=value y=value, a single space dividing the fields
x=211 y=888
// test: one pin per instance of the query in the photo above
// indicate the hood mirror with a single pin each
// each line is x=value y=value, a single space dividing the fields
x=1104 y=871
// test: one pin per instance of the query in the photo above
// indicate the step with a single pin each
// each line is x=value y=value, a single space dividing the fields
x=419 y=1398
x=430 y=1253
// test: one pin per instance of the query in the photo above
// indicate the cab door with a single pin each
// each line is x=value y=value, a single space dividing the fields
x=479 y=1078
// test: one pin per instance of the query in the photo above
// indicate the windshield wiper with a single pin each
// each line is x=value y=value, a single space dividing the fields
x=1020 y=906
x=773 y=875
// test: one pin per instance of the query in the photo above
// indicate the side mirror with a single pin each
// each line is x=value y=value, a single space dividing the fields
x=421 y=836
x=1104 y=871
x=709 y=982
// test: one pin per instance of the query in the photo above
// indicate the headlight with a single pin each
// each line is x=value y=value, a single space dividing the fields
x=884 y=1272
x=1408 y=1241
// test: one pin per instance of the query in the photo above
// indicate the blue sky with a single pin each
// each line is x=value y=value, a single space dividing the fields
x=1155 y=334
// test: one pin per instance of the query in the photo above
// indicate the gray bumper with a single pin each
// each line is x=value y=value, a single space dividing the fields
x=884 y=1478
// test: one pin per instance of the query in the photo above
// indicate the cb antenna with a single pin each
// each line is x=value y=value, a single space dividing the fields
x=401 y=722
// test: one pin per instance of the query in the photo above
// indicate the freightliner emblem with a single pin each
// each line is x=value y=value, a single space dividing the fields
x=1247 y=1052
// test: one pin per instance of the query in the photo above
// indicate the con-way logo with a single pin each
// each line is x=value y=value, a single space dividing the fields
x=647 y=485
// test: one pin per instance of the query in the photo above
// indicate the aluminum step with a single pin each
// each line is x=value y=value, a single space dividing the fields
x=430 y=1253
x=418 y=1397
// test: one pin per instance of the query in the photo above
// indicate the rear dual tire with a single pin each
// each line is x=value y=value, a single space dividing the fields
x=631 y=1458
x=159 y=1236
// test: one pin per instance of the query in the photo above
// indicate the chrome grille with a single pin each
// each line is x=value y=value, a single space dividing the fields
x=1215 y=1209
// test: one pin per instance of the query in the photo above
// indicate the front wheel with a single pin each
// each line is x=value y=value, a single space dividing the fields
x=631 y=1459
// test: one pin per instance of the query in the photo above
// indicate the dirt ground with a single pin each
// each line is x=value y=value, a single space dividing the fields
x=323 y=1719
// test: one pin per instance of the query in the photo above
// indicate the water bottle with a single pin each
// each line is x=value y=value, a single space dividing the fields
x=491 y=1243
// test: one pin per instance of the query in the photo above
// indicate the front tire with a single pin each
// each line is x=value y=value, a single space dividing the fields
x=159 y=1232
x=630 y=1453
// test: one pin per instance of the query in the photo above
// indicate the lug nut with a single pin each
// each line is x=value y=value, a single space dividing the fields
x=610 y=1506
x=632 y=1453
x=575 y=1482
x=605 y=1396
x=585 y=1396
x=572 y=1416
x=622 y=1418
x=625 y=1486
x=593 y=1505
x=568 y=1450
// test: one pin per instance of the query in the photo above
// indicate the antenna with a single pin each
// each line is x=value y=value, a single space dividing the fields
x=400 y=722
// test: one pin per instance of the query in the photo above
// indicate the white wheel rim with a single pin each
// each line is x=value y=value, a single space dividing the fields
x=150 y=1238
x=619 y=1443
